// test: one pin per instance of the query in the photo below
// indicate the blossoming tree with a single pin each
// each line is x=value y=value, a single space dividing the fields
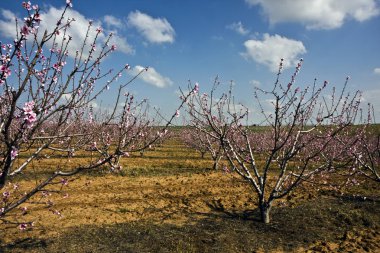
x=299 y=126
x=46 y=110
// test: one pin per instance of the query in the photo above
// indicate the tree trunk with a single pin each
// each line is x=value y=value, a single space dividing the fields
x=216 y=162
x=265 y=212
x=215 y=166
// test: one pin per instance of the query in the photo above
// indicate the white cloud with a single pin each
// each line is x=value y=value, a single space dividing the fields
x=271 y=49
x=317 y=14
x=152 y=77
x=8 y=26
x=121 y=44
x=376 y=71
x=238 y=27
x=77 y=30
x=372 y=97
x=112 y=21
x=255 y=83
x=155 y=30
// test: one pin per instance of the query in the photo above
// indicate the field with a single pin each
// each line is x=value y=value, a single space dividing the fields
x=170 y=200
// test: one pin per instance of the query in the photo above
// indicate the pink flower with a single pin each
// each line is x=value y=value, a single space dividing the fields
x=226 y=170
x=196 y=88
x=113 y=47
x=68 y=2
x=64 y=181
x=29 y=115
x=37 y=17
x=24 y=210
x=93 y=146
x=14 y=153
x=6 y=194
x=27 y=5
x=23 y=226
x=25 y=30
x=6 y=71
x=99 y=29
x=177 y=113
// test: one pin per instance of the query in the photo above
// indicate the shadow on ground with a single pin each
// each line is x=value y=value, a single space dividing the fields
x=326 y=224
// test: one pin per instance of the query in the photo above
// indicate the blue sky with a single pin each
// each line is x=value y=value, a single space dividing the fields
x=239 y=40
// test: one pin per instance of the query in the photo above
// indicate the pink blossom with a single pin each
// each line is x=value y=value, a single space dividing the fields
x=5 y=70
x=25 y=30
x=226 y=170
x=68 y=2
x=196 y=88
x=27 y=5
x=99 y=29
x=177 y=113
x=113 y=47
x=29 y=115
x=24 y=210
x=6 y=194
x=64 y=181
x=14 y=153
x=37 y=17
x=23 y=226
x=93 y=146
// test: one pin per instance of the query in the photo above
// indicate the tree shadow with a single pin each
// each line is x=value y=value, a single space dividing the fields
x=224 y=230
x=24 y=244
x=217 y=208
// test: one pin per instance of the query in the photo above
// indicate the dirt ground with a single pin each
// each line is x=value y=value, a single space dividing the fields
x=177 y=205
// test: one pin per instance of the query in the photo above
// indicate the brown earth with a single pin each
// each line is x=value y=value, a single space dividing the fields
x=178 y=205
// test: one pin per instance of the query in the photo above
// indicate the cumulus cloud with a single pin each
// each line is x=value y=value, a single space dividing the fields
x=376 y=71
x=8 y=25
x=151 y=77
x=317 y=14
x=238 y=27
x=112 y=21
x=77 y=30
x=271 y=49
x=155 y=30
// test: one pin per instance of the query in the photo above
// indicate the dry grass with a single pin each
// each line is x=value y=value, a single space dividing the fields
x=170 y=200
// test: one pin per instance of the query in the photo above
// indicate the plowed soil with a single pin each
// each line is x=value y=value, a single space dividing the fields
x=171 y=201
